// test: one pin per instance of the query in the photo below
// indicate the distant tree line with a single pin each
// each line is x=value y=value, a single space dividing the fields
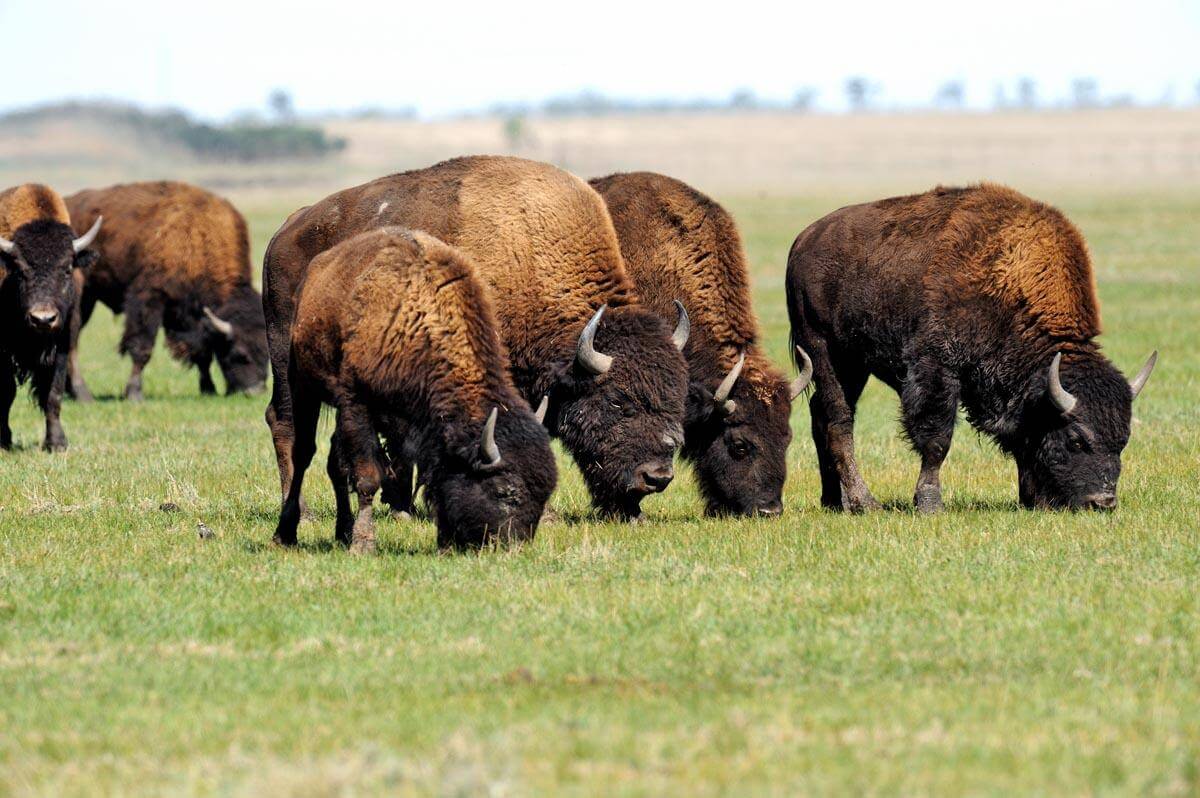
x=248 y=139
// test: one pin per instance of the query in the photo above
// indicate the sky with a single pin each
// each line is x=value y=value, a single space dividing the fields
x=221 y=57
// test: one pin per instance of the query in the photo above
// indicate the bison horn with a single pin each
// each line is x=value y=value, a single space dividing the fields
x=1061 y=397
x=85 y=241
x=488 y=447
x=1139 y=382
x=586 y=354
x=683 y=327
x=219 y=324
x=543 y=406
x=6 y=246
x=800 y=383
x=721 y=397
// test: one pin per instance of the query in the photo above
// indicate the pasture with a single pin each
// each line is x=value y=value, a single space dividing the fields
x=988 y=649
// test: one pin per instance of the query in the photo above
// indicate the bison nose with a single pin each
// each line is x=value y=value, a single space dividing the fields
x=1102 y=501
x=771 y=508
x=652 y=477
x=43 y=317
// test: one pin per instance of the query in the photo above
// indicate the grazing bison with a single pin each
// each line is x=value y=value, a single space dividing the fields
x=38 y=256
x=394 y=330
x=979 y=296
x=680 y=245
x=175 y=256
x=543 y=243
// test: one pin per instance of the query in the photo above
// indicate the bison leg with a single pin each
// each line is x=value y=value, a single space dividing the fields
x=49 y=384
x=838 y=387
x=203 y=365
x=307 y=413
x=344 y=528
x=929 y=402
x=143 y=317
x=360 y=452
x=8 y=391
x=76 y=386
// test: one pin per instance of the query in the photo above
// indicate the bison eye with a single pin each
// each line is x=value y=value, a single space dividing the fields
x=739 y=449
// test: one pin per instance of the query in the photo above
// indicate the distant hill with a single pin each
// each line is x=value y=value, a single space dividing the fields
x=172 y=130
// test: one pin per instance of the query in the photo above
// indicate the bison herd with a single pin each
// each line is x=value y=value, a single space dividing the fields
x=457 y=317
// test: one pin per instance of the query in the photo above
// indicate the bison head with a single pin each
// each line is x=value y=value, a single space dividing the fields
x=494 y=482
x=42 y=257
x=1071 y=454
x=236 y=334
x=738 y=431
x=618 y=406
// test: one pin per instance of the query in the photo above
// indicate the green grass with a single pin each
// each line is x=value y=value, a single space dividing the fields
x=987 y=650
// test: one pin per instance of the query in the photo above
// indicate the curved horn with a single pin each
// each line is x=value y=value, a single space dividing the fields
x=586 y=354
x=683 y=327
x=1061 y=397
x=800 y=383
x=543 y=406
x=721 y=397
x=1139 y=382
x=85 y=241
x=6 y=246
x=219 y=324
x=487 y=446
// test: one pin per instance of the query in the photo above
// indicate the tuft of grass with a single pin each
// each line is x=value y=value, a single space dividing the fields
x=985 y=650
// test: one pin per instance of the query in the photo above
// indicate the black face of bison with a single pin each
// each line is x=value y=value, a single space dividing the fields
x=41 y=262
x=477 y=503
x=1072 y=460
x=740 y=457
x=236 y=333
x=623 y=425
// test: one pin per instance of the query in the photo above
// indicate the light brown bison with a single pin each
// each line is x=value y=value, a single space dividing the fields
x=544 y=245
x=394 y=330
x=38 y=295
x=176 y=256
x=680 y=246
x=979 y=296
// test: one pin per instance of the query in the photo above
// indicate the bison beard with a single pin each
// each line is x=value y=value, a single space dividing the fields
x=978 y=296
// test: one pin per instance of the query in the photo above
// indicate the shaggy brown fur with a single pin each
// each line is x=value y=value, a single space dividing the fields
x=393 y=327
x=680 y=245
x=543 y=243
x=959 y=295
x=167 y=250
x=20 y=205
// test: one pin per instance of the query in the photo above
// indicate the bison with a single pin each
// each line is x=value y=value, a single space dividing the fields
x=39 y=254
x=173 y=255
x=544 y=246
x=679 y=245
x=393 y=329
x=976 y=296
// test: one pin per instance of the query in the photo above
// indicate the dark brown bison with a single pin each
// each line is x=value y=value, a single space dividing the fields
x=979 y=296
x=681 y=246
x=38 y=256
x=174 y=255
x=544 y=245
x=393 y=329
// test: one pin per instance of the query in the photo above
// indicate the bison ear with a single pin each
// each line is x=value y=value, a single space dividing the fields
x=700 y=405
x=86 y=259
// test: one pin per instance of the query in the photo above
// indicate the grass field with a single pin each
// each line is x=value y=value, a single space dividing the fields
x=986 y=650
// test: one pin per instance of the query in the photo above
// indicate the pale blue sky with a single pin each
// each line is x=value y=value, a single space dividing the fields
x=216 y=58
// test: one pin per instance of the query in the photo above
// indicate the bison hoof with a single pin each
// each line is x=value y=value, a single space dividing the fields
x=859 y=504
x=928 y=500
x=81 y=394
x=134 y=395
x=55 y=445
